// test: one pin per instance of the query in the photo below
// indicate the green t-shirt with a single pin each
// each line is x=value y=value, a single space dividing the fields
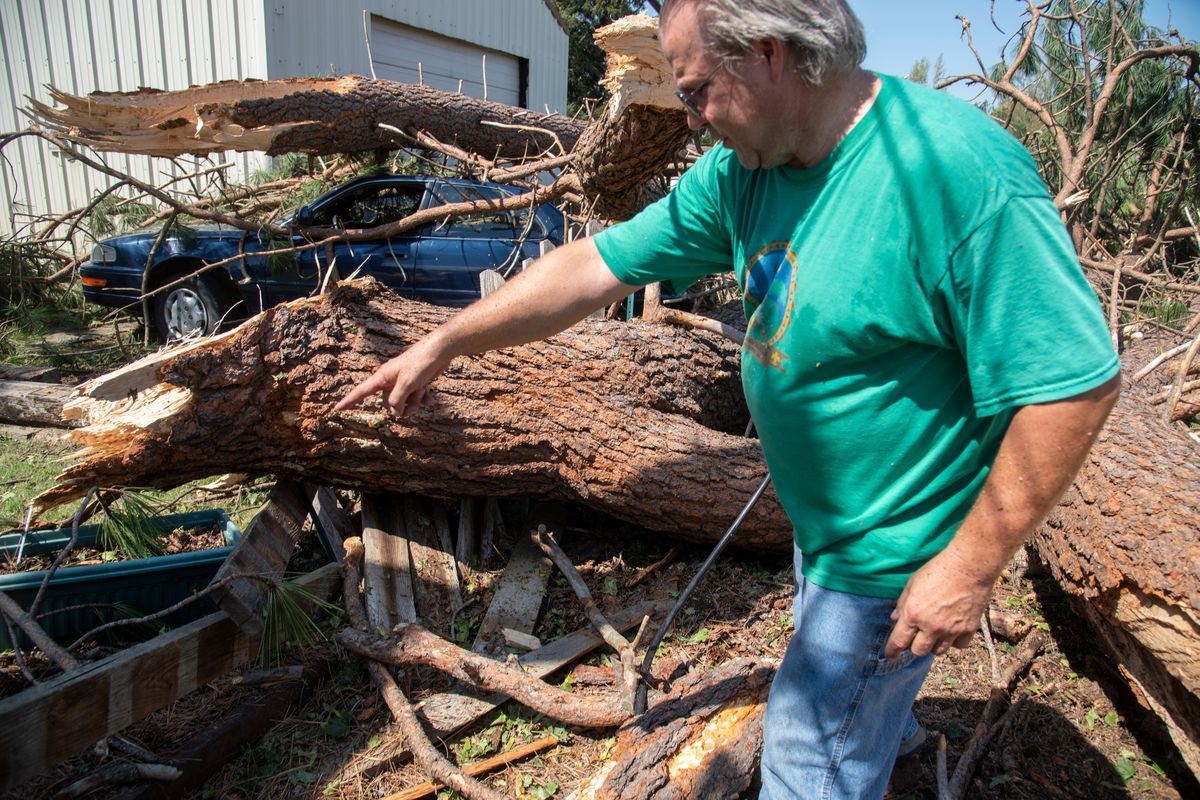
x=903 y=297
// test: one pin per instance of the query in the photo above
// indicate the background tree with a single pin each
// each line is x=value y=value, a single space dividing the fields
x=919 y=71
x=1107 y=106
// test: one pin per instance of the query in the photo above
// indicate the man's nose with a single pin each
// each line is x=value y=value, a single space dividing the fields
x=695 y=121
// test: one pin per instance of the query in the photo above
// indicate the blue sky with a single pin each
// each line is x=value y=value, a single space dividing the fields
x=901 y=31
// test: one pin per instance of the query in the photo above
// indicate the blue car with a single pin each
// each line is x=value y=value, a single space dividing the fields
x=439 y=262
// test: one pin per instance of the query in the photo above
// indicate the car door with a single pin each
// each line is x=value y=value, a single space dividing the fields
x=457 y=250
x=357 y=206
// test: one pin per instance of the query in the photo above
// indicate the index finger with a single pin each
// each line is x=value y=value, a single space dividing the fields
x=355 y=395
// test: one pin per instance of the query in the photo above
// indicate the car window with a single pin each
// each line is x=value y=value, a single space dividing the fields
x=485 y=225
x=370 y=206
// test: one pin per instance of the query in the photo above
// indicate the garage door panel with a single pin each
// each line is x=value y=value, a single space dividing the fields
x=398 y=49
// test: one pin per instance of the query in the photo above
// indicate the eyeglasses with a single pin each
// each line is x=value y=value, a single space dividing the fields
x=691 y=97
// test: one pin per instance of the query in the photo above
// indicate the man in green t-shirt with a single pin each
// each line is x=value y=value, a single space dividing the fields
x=924 y=361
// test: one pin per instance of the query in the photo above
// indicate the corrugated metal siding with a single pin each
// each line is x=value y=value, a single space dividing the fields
x=81 y=46
x=411 y=55
x=316 y=37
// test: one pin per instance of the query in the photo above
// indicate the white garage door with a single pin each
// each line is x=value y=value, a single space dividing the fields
x=444 y=62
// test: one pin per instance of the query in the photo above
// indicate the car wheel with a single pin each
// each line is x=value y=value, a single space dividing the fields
x=192 y=308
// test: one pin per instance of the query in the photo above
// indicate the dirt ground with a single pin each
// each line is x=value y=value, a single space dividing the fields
x=1077 y=735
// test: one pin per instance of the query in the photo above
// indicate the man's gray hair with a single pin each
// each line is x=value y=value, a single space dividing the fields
x=824 y=35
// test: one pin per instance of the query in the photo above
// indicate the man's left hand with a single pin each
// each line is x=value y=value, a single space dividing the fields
x=939 y=608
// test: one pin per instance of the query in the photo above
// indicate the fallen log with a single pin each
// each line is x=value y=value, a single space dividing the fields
x=1123 y=544
x=601 y=414
x=637 y=134
x=319 y=116
x=25 y=402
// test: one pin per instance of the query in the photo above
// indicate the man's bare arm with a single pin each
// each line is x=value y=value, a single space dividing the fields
x=555 y=292
x=1042 y=451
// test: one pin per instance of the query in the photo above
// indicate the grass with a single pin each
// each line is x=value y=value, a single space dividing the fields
x=26 y=468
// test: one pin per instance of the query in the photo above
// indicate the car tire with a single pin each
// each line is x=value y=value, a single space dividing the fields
x=191 y=308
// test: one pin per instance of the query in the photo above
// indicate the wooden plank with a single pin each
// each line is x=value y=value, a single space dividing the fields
x=435 y=572
x=467 y=544
x=264 y=550
x=446 y=713
x=332 y=524
x=387 y=566
x=23 y=372
x=33 y=403
x=518 y=597
x=68 y=714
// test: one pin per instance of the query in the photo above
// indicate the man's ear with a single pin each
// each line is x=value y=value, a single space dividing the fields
x=774 y=53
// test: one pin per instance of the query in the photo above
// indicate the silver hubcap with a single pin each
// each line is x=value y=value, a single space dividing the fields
x=185 y=313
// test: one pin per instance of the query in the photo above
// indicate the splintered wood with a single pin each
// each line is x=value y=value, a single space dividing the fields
x=702 y=740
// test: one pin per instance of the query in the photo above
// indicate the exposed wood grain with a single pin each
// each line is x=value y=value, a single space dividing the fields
x=333 y=525
x=34 y=403
x=435 y=572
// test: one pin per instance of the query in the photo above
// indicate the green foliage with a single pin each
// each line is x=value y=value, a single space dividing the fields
x=919 y=73
x=1166 y=310
x=1145 y=134
x=115 y=214
x=287 y=619
x=129 y=529
x=586 y=59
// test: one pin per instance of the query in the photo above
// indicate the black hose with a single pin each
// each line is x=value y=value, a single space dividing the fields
x=639 y=701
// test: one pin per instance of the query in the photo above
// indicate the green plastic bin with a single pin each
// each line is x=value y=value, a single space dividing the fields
x=145 y=584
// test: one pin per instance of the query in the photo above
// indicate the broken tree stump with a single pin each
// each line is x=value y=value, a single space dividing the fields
x=637 y=135
x=703 y=739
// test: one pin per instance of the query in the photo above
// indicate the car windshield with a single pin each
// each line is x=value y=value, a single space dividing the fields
x=369 y=206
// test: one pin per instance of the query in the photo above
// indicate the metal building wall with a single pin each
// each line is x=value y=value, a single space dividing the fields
x=81 y=46
x=318 y=37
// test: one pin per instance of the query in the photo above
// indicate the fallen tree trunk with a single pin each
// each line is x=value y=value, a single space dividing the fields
x=637 y=134
x=319 y=116
x=602 y=414
x=1123 y=543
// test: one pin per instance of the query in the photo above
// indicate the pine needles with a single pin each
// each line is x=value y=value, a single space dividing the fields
x=287 y=619
x=129 y=527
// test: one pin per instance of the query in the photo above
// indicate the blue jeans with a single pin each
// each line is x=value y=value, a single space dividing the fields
x=838 y=710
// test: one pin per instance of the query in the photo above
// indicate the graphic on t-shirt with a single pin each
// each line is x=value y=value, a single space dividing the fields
x=770 y=295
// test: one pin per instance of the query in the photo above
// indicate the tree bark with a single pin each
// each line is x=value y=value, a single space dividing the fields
x=1123 y=544
x=636 y=420
x=639 y=131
